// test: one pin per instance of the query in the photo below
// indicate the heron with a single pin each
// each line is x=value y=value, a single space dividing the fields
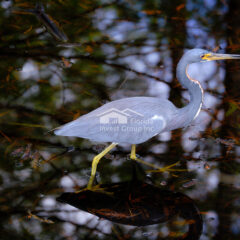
x=135 y=120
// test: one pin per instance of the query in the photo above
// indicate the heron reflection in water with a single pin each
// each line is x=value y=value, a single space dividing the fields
x=138 y=203
x=148 y=116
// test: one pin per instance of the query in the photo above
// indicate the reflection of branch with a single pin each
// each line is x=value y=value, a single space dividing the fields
x=57 y=219
x=116 y=65
x=98 y=7
x=24 y=108
x=55 y=210
x=23 y=40
x=46 y=54
x=50 y=144
x=20 y=108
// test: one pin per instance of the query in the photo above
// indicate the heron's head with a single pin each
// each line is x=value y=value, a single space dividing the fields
x=201 y=55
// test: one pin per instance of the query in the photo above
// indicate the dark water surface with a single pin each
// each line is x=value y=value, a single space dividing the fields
x=69 y=58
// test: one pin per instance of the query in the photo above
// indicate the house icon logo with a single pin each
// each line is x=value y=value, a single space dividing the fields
x=115 y=116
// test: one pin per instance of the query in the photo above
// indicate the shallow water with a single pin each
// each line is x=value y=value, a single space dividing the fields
x=123 y=49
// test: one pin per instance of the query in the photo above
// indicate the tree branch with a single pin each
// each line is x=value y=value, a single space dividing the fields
x=43 y=54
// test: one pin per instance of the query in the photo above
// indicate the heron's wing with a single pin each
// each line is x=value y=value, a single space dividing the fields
x=129 y=120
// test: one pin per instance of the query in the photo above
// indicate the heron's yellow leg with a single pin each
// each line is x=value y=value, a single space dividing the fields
x=163 y=169
x=95 y=162
x=134 y=157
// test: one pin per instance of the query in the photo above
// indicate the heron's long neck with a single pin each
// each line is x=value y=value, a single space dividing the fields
x=189 y=112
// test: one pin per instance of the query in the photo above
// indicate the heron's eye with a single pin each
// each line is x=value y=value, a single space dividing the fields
x=202 y=55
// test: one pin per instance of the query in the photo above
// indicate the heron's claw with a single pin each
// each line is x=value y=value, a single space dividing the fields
x=168 y=168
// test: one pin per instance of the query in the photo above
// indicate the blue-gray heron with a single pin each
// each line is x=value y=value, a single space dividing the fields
x=135 y=120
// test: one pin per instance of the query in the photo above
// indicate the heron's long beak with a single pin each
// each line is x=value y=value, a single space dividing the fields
x=219 y=56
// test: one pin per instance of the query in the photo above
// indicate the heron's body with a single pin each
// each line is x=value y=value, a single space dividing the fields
x=141 y=126
x=137 y=119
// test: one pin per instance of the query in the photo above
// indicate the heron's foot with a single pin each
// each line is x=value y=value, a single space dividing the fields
x=168 y=168
x=96 y=188
x=134 y=157
x=156 y=169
